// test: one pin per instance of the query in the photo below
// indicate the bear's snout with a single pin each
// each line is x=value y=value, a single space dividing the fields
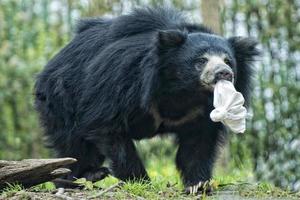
x=223 y=73
x=216 y=70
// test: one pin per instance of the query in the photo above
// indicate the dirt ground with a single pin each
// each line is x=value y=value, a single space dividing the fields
x=112 y=195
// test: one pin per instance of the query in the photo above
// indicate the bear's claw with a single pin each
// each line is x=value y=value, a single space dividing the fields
x=201 y=187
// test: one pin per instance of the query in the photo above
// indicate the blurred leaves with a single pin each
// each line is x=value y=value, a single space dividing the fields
x=27 y=40
x=274 y=135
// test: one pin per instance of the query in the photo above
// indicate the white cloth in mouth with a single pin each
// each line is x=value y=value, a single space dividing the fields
x=229 y=107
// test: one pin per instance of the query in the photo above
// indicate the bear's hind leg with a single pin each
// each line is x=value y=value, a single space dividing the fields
x=89 y=163
x=125 y=162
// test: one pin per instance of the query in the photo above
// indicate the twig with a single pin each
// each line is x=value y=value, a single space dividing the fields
x=60 y=194
x=66 y=190
x=119 y=184
x=234 y=184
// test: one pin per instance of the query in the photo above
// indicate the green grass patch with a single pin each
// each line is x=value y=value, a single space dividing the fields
x=44 y=187
x=11 y=189
x=166 y=183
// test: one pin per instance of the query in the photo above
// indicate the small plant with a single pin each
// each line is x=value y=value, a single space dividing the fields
x=11 y=189
x=87 y=185
x=47 y=186
x=138 y=188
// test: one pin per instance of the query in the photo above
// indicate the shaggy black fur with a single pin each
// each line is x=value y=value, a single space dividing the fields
x=134 y=77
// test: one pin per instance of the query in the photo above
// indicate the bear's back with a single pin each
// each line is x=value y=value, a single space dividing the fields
x=80 y=80
x=139 y=21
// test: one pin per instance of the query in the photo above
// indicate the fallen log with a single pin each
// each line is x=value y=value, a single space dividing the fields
x=30 y=172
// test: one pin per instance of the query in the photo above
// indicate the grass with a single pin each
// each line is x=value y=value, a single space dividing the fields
x=166 y=183
x=11 y=189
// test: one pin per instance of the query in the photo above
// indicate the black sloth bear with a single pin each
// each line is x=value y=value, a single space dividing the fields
x=139 y=75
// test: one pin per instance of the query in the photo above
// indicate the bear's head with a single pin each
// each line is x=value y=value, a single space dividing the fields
x=194 y=62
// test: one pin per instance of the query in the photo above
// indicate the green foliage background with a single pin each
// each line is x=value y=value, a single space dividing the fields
x=273 y=137
x=33 y=31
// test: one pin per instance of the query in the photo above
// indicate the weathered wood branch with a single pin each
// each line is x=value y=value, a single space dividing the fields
x=31 y=172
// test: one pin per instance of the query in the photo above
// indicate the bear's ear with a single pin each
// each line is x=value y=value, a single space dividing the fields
x=171 y=38
x=244 y=47
x=245 y=52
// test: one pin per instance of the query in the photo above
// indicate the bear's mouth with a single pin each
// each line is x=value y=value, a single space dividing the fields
x=209 y=80
x=208 y=86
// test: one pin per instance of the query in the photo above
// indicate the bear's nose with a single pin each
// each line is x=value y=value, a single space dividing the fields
x=224 y=74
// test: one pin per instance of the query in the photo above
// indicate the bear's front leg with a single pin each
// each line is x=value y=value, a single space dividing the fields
x=195 y=159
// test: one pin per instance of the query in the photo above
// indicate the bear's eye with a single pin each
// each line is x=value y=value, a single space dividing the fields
x=227 y=61
x=200 y=62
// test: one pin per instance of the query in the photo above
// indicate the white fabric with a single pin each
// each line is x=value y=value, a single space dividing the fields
x=229 y=107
